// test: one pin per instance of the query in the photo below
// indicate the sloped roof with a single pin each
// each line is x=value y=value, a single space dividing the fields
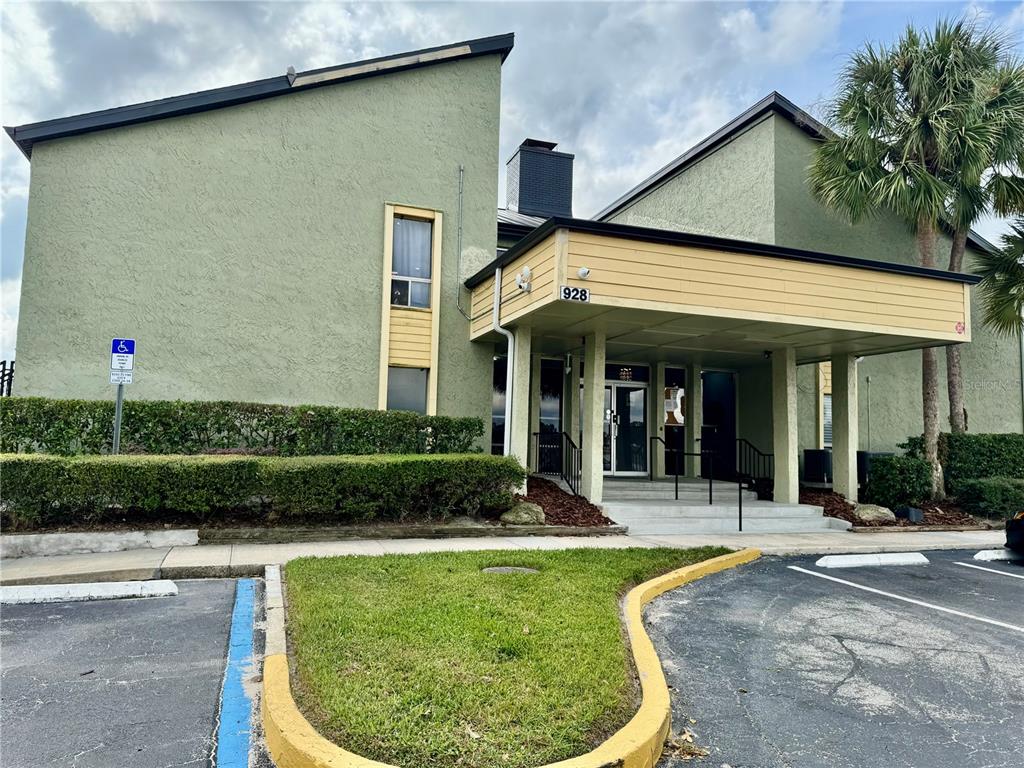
x=508 y=216
x=26 y=135
x=775 y=103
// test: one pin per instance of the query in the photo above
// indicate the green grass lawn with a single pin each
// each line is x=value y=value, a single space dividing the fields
x=422 y=660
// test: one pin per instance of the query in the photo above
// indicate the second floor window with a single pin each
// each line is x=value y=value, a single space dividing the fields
x=410 y=262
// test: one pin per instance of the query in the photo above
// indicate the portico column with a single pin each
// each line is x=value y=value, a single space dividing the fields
x=592 y=418
x=533 y=446
x=694 y=417
x=573 y=392
x=845 y=437
x=787 y=488
x=657 y=396
x=519 y=419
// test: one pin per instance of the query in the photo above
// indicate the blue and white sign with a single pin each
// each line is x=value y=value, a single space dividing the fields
x=122 y=355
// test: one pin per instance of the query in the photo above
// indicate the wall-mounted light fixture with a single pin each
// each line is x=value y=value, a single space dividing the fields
x=523 y=280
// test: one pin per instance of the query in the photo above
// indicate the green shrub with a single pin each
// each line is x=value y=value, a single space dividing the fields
x=999 y=497
x=896 y=480
x=71 y=427
x=967 y=456
x=40 y=490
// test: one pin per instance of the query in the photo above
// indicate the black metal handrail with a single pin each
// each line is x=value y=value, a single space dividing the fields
x=570 y=459
x=752 y=463
x=677 y=453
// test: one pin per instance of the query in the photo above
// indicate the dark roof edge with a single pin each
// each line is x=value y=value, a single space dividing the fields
x=515 y=230
x=174 y=106
x=705 y=241
x=774 y=102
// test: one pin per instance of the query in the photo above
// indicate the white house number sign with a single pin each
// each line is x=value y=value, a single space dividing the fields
x=568 y=293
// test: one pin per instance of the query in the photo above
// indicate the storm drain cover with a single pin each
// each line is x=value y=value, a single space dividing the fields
x=510 y=569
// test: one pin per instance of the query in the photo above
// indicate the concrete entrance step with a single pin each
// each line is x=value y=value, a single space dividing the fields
x=675 y=526
x=685 y=494
x=630 y=510
x=696 y=490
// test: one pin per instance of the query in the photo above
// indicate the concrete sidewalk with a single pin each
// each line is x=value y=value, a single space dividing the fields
x=222 y=560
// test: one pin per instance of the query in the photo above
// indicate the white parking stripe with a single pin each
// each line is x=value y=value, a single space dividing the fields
x=992 y=570
x=923 y=604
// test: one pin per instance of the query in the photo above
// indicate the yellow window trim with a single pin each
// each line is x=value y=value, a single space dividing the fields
x=428 y=214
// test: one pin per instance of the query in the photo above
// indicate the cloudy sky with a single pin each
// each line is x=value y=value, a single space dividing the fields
x=625 y=86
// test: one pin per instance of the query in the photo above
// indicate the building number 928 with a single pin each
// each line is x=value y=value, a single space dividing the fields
x=568 y=293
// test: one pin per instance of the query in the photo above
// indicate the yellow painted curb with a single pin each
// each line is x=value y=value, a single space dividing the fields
x=294 y=743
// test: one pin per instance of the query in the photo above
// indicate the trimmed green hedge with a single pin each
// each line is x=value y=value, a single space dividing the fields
x=43 y=490
x=896 y=480
x=70 y=427
x=968 y=456
x=999 y=497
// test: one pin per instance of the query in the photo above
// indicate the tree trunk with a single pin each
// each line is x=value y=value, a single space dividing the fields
x=930 y=370
x=954 y=373
x=930 y=400
x=955 y=387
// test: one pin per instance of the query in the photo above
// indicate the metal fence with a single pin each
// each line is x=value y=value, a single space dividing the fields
x=6 y=377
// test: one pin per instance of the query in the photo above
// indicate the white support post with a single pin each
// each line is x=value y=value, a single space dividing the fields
x=657 y=407
x=592 y=417
x=845 y=436
x=784 y=426
x=519 y=418
x=694 y=418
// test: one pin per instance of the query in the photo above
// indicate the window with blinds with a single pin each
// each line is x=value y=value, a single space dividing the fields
x=827 y=420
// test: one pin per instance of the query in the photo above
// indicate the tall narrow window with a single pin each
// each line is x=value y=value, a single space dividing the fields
x=410 y=262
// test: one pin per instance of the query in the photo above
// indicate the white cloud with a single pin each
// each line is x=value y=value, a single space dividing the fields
x=787 y=33
x=1015 y=20
x=29 y=71
x=10 y=299
x=322 y=34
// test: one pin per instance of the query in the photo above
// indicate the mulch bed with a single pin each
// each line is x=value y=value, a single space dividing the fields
x=941 y=513
x=561 y=508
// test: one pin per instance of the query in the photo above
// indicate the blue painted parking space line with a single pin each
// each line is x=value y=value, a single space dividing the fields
x=234 y=724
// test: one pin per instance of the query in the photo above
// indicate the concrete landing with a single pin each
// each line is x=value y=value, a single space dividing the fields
x=651 y=508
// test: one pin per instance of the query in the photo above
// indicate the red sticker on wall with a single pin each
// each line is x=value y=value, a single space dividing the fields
x=960 y=327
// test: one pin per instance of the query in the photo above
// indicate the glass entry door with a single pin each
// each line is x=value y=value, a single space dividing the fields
x=625 y=429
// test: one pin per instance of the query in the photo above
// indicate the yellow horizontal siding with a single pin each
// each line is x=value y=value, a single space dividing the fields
x=515 y=302
x=749 y=285
x=409 y=341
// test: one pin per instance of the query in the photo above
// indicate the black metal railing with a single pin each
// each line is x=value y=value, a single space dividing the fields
x=555 y=453
x=709 y=457
x=6 y=377
x=752 y=464
x=704 y=456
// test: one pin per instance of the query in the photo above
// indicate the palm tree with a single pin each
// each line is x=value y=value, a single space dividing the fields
x=1002 y=285
x=901 y=141
x=986 y=156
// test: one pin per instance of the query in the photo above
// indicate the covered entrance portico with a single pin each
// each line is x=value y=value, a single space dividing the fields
x=607 y=298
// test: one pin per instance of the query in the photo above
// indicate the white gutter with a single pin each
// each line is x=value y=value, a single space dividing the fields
x=510 y=362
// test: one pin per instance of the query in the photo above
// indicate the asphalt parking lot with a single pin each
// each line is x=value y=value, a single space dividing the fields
x=781 y=667
x=133 y=682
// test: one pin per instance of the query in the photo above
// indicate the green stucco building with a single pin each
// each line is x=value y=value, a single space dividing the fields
x=334 y=236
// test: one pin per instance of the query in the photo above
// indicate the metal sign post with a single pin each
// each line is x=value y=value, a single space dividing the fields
x=122 y=369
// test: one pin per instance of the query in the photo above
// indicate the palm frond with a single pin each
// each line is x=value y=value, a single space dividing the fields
x=1002 y=284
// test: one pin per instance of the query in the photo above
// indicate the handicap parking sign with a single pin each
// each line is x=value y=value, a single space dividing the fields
x=122 y=354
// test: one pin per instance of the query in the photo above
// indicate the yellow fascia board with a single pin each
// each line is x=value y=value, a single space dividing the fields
x=294 y=743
